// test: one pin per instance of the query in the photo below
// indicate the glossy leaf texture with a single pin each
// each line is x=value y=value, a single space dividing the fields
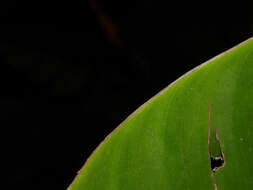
x=163 y=145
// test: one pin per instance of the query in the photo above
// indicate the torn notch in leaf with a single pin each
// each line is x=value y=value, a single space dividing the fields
x=216 y=163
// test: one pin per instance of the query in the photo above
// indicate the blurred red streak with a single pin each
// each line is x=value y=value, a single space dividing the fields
x=109 y=27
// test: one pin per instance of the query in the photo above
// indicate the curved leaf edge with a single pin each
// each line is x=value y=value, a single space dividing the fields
x=155 y=96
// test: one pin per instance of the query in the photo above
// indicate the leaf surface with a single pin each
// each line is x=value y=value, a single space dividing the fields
x=164 y=145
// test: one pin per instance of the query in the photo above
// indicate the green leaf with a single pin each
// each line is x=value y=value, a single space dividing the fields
x=166 y=143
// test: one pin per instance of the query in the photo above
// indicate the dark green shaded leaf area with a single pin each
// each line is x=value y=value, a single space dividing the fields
x=163 y=145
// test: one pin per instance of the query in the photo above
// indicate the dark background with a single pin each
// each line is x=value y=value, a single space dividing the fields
x=66 y=86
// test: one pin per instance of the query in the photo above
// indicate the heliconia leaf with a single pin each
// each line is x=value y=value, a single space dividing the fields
x=195 y=134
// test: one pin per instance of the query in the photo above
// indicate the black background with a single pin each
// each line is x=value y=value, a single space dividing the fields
x=66 y=86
